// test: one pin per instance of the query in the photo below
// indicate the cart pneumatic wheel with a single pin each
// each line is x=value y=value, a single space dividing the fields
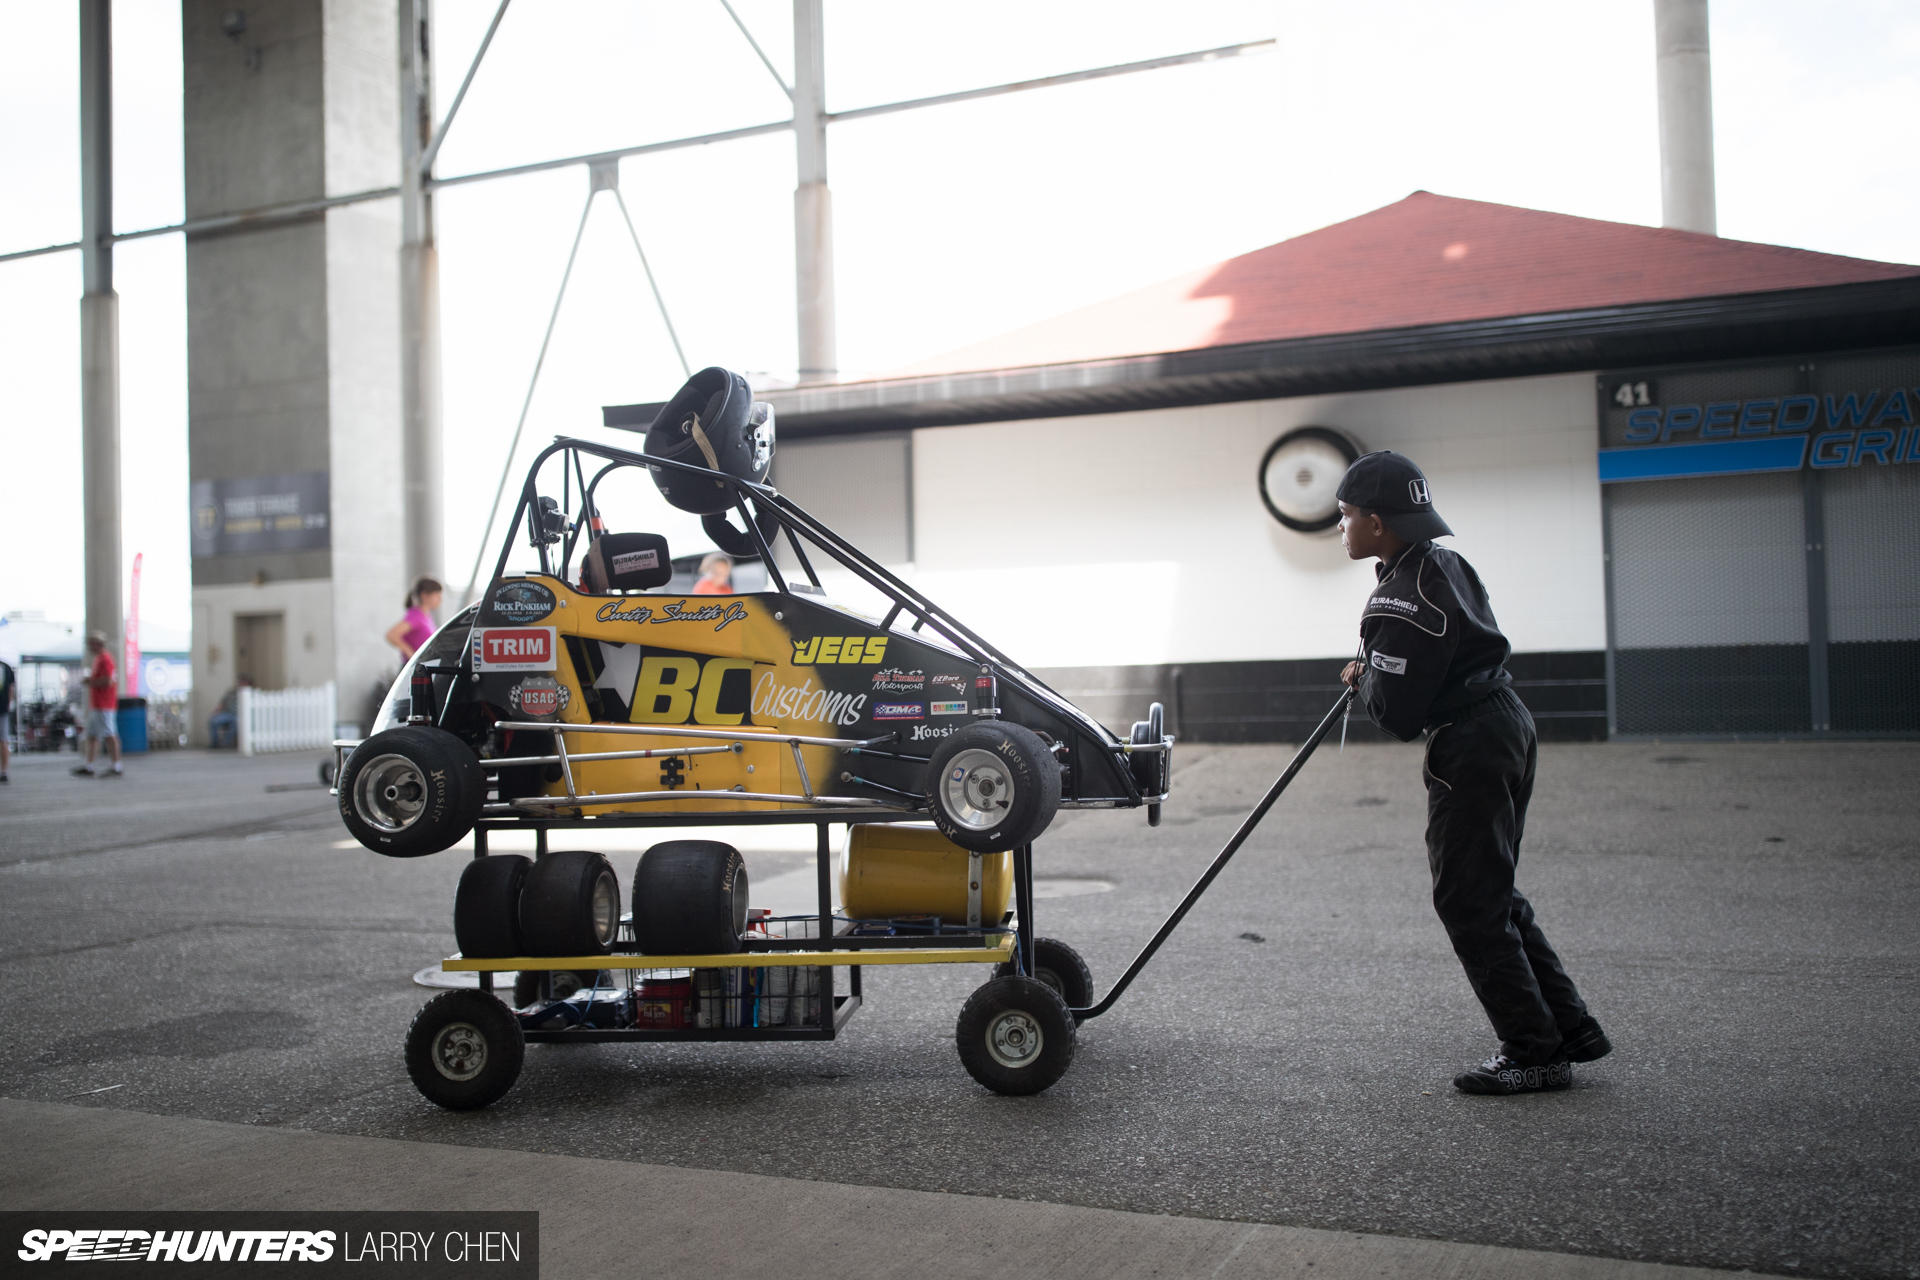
x=411 y=791
x=1060 y=967
x=464 y=1050
x=993 y=786
x=1015 y=1036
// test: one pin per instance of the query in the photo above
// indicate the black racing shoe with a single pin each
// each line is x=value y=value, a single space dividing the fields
x=1501 y=1074
x=1587 y=1043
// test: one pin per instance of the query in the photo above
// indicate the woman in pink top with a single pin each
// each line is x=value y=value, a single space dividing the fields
x=418 y=626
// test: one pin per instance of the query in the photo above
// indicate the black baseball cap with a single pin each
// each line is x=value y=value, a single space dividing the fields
x=1388 y=484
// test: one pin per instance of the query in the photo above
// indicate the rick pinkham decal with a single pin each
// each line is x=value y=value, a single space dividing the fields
x=521 y=602
x=539 y=697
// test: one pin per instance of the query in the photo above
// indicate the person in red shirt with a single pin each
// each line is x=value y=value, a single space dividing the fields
x=716 y=576
x=103 y=703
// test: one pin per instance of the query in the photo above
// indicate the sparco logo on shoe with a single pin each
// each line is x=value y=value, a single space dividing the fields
x=514 y=649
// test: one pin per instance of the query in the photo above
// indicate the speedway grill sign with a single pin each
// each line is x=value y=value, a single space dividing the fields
x=1820 y=414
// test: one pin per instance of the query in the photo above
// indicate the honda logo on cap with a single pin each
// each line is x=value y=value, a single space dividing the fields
x=1418 y=488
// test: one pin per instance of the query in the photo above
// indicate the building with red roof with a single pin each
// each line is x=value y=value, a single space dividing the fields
x=1638 y=434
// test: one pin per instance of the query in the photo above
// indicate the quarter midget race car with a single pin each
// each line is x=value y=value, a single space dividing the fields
x=579 y=693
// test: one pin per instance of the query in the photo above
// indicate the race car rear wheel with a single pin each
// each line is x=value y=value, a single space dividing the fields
x=464 y=1050
x=993 y=786
x=689 y=898
x=1015 y=1036
x=570 y=905
x=411 y=791
x=486 y=906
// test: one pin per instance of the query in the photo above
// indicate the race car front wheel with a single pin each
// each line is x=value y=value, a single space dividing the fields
x=993 y=786
x=411 y=791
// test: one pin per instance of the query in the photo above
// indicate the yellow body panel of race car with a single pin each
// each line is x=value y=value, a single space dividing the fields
x=765 y=665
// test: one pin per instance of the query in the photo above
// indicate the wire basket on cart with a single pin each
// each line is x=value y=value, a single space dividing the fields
x=748 y=1002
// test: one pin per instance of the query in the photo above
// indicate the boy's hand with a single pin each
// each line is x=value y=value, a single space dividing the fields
x=1351 y=675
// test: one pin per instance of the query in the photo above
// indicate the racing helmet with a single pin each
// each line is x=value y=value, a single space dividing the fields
x=712 y=422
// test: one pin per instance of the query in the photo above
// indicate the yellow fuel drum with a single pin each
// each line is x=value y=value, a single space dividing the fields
x=890 y=871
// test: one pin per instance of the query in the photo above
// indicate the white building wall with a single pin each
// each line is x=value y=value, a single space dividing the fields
x=307 y=607
x=1141 y=538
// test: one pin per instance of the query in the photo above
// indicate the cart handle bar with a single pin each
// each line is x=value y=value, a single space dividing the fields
x=1219 y=863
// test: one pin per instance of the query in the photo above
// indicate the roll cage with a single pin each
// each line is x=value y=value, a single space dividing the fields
x=762 y=508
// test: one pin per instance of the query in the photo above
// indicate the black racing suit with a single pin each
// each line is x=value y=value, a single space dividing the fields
x=1434 y=659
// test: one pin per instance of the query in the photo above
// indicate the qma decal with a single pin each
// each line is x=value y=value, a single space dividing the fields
x=898 y=711
x=721 y=615
x=805 y=702
x=514 y=649
x=844 y=650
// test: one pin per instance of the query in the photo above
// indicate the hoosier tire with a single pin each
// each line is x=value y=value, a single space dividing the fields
x=411 y=791
x=1058 y=966
x=993 y=786
x=1015 y=1036
x=570 y=905
x=486 y=906
x=689 y=898
x=464 y=1050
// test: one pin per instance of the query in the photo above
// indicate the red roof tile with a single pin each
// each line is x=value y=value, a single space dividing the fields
x=1424 y=260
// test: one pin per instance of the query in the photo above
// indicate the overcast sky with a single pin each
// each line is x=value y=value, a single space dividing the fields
x=952 y=224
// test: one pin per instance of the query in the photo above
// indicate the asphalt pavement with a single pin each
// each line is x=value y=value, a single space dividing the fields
x=184 y=942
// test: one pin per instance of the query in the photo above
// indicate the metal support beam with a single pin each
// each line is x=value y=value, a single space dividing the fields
x=440 y=134
x=1685 y=75
x=99 y=327
x=419 y=302
x=812 y=199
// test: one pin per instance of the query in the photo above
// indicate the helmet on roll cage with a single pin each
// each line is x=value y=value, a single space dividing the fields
x=711 y=422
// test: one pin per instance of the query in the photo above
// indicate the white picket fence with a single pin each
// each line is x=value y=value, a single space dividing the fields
x=285 y=719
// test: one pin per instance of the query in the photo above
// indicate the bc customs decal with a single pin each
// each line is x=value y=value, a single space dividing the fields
x=721 y=615
x=948 y=708
x=1392 y=666
x=804 y=702
x=514 y=649
x=521 y=602
x=539 y=697
x=899 y=711
x=845 y=650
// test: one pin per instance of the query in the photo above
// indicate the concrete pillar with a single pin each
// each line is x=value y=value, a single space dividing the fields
x=1685 y=75
x=419 y=300
x=294 y=346
x=99 y=328
x=812 y=200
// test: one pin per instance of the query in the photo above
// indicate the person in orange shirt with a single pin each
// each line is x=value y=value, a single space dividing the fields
x=103 y=703
x=716 y=576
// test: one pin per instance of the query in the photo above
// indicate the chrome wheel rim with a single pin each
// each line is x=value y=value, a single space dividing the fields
x=459 y=1051
x=1014 y=1039
x=390 y=794
x=606 y=909
x=977 y=789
